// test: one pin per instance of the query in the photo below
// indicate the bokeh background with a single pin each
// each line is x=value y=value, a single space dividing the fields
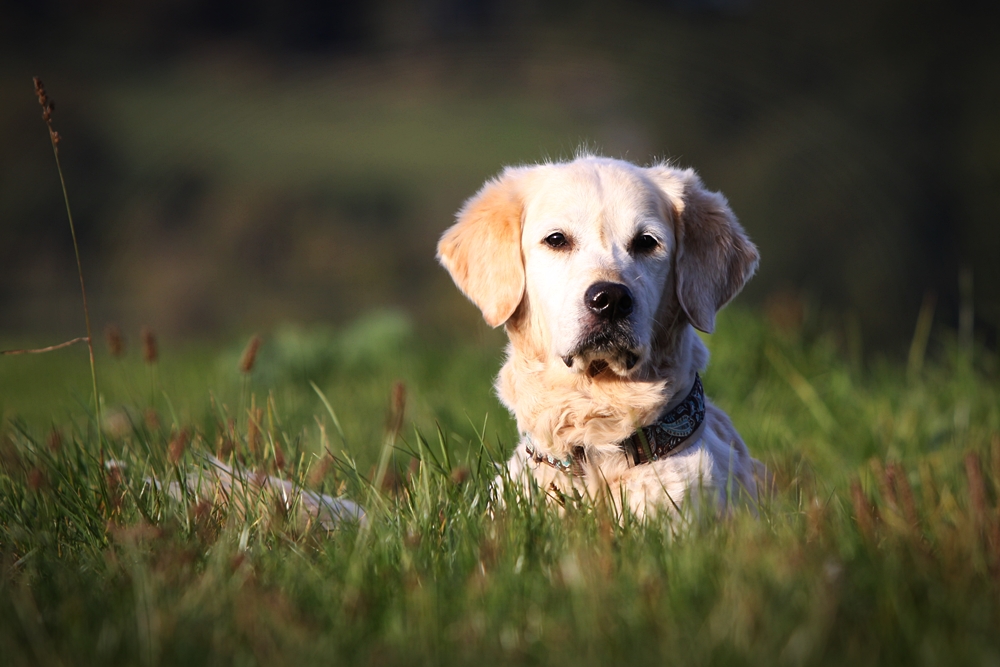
x=234 y=165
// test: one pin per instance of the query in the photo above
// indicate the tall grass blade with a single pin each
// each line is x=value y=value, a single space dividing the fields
x=329 y=409
x=803 y=389
x=921 y=334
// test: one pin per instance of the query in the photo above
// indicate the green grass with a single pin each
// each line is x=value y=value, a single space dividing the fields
x=880 y=546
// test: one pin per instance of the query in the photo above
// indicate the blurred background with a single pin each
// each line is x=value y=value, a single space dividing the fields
x=234 y=165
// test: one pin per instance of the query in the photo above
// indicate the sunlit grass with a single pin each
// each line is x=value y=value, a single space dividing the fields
x=881 y=544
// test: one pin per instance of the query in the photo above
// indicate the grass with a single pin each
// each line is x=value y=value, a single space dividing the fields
x=880 y=546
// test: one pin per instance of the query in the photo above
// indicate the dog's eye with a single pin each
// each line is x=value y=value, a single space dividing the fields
x=556 y=240
x=644 y=243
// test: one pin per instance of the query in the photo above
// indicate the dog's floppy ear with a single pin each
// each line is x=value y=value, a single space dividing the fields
x=714 y=256
x=482 y=251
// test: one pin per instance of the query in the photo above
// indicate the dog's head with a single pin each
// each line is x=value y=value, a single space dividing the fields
x=592 y=257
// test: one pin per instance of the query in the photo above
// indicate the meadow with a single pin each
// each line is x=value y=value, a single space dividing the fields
x=879 y=545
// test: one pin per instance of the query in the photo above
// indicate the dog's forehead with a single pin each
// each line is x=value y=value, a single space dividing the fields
x=590 y=191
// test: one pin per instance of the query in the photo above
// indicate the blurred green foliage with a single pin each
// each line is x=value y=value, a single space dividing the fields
x=239 y=165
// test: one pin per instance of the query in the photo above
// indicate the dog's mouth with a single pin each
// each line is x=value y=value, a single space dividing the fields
x=616 y=350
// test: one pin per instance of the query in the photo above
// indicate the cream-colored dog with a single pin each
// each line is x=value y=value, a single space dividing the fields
x=601 y=271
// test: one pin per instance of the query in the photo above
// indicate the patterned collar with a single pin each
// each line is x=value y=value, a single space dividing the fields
x=649 y=443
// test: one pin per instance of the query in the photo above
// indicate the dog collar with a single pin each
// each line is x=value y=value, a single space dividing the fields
x=674 y=429
x=571 y=465
x=649 y=443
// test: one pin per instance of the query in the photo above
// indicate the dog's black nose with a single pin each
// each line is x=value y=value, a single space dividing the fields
x=609 y=301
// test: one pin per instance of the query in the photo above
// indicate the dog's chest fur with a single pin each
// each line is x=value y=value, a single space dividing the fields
x=559 y=413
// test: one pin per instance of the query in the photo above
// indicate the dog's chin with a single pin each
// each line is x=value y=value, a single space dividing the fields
x=609 y=349
x=620 y=362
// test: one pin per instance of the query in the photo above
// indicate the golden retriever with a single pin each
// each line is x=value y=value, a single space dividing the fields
x=601 y=271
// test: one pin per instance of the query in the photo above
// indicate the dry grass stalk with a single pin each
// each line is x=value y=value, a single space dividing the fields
x=279 y=455
x=993 y=543
x=48 y=106
x=862 y=511
x=905 y=494
x=977 y=490
x=224 y=446
x=928 y=489
x=115 y=339
x=249 y=357
x=815 y=519
x=995 y=457
x=253 y=430
x=921 y=335
x=397 y=409
x=150 y=349
x=40 y=350
x=985 y=518
x=113 y=479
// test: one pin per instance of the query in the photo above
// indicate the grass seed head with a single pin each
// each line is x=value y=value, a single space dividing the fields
x=250 y=355
x=55 y=441
x=43 y=99
x=48 y=106
x=253 y=430
x=115 y=339
x=178 y=445
x=150 y=350
x=884 y=479
x=202 y=514
x=319 y=470
x=459 y=475
x=37 y=479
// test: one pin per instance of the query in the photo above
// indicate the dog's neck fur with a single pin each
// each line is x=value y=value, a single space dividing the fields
x=561 y=409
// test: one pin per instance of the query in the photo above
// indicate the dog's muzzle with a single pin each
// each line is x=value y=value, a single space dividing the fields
x=610 y=338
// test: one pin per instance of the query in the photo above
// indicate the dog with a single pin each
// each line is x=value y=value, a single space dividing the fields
x=601 y=271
